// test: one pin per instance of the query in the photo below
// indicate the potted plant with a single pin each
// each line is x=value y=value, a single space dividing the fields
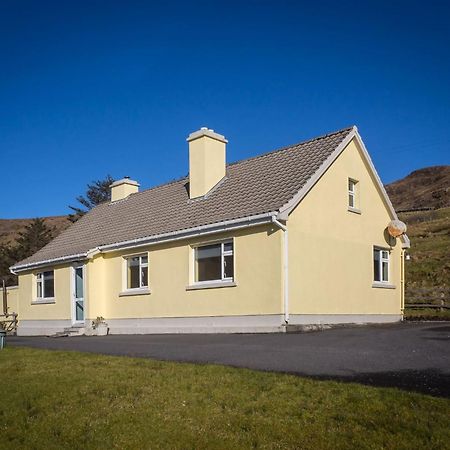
x=100 y=326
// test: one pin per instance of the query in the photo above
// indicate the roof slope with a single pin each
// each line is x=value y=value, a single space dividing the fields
x=252 y=186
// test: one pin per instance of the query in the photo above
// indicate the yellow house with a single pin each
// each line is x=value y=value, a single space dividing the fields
x=294 y=237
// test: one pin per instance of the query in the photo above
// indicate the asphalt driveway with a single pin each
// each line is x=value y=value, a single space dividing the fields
x=411 y=356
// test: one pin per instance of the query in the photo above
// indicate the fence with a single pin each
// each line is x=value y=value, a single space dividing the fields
x=8 y=322
x=437 y=298
x=8 y=316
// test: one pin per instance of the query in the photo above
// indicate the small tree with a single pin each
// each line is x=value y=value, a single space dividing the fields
x=32 y=238
x=35 y=235
x=97 y=192
x=7 y=259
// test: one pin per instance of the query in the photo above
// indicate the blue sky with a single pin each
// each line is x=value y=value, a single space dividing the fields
x=95 y=87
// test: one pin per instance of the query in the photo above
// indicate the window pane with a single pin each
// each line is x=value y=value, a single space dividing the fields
x=39 y=288
x=376 y=265
x=144 y=259
x=385 y=271
x=79 y=282
x=228 y=269
x=351 y=200
x=228 y=247
x=351 y=185
x=133 y=273
x=144 y=276
x=209 y=263
x=208 y=251
x=79 y=310
x=49 y=285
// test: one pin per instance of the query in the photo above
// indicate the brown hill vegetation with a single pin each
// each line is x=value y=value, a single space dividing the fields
x=10 y=228
x=423 y=188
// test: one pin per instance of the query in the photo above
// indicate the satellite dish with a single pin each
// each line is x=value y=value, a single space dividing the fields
x=396 y=228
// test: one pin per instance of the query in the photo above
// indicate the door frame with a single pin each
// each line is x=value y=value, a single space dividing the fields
x=72 y=293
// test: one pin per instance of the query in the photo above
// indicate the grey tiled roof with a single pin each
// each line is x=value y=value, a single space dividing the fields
x=252 y=186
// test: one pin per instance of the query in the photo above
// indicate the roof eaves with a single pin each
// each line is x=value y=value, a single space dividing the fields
x=208 y=229
x=47 y=262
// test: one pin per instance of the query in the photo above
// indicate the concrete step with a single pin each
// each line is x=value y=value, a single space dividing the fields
x=71 y=331
x=59 y=334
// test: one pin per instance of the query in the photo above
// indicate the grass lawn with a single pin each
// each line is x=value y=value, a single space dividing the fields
x=58 y=400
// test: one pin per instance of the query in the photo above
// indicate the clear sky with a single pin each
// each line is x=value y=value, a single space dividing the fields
x=95 y=87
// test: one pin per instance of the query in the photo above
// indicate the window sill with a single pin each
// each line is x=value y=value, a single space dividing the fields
x=213 y=285
x=354 y=210
x=379 y=284
x=132 y=292
x=43 y=301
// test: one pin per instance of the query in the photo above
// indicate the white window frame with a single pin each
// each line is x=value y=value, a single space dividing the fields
x=40 y=280
x=382 y=260
x=354 y=193
x=223 y=253
x=141 y=287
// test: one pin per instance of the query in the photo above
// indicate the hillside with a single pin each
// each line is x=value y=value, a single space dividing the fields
x=10 y=228
x=428 y=269
x=424 y=188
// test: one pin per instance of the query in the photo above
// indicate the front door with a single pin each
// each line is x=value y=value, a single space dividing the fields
x=78 y=294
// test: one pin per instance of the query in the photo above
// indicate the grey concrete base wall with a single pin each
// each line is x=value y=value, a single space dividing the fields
x=225 y=324
x=41 y=327
x=334 y=319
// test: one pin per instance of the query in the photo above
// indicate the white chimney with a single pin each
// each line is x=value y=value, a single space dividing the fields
x=207 y=161
x=121 y=189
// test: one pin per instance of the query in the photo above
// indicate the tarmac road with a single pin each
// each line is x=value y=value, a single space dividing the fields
x=410 y=356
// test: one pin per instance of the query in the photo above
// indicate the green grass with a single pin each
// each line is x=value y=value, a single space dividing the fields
x=58 y=400
x=426 y=314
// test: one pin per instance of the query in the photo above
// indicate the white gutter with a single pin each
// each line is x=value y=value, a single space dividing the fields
x=47 y=262
x=218 y=227
x=285 y=268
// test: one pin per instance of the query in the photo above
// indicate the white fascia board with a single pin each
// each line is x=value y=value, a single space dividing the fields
x=47 y=262
x=375 y=175
x=288 y=207
x=160 y=238
x=191 y=232
x=406 y=242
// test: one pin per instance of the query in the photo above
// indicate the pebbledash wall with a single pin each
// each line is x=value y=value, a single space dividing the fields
x=330 y=272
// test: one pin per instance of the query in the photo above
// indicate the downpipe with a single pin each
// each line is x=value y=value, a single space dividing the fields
x=285 y=268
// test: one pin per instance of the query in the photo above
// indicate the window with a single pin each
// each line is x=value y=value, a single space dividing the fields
x=380 y=265
x=352 y=194
x=214 y=262
x=137 y=272
x=45 y=284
